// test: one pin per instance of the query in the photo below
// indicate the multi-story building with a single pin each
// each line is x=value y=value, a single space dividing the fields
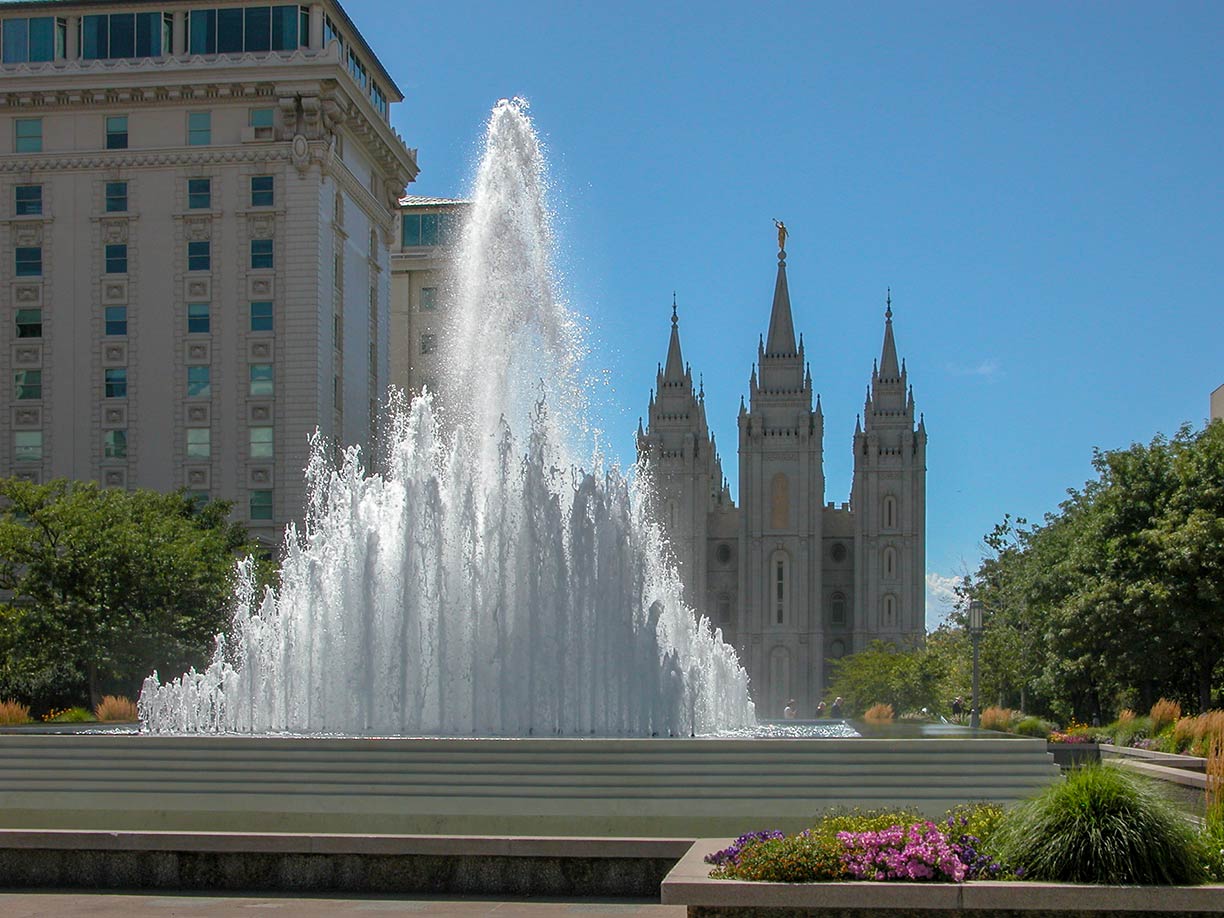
x=198 y=203
x=1217 y=404
x=429 y=228
x=793 y=582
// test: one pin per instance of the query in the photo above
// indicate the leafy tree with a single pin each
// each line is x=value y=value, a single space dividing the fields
x=107 y=585
x=908 y=679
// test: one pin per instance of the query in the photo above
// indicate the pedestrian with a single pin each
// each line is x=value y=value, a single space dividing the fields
x=820 y=711
x=791 y=711
x=958 y=707
x=836 y=711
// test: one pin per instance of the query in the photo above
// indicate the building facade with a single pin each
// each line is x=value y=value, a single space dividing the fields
x=199 y=203
x=792 y=581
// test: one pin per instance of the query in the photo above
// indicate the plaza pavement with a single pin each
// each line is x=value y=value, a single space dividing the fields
x=119 y=905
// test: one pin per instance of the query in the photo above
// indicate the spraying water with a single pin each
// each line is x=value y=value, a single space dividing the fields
x=479 y=583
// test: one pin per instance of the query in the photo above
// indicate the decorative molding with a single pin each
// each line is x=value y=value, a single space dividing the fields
x=261 y=286
x=197 y=228
x=199 y=414
x=27 y=355
x=259 y=350
x=259 y=412
x=259 y=476
x=114 y=231
x=131 y=159
x=197 y=477
x=114 y=477
x=26 y=294
x=197 y=287
x=27 y=417
x=27 y=233
x=196 y=353
x=262 y=226
x=114 y=291
x=114 y=417
x=114 y=354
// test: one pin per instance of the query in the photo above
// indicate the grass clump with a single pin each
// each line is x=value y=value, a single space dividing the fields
x=1102 y=825
x=1164 y=713
x=75 y=715
x=116 y=709
x=1035 y=726
x=879 y=714
x=996 y=718
x=13 y=713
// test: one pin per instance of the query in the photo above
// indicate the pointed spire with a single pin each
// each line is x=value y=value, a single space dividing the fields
x=889 y=368
x=781 y=327
x=674 y=373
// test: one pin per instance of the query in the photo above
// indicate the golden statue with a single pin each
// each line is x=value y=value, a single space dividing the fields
x=782 y=234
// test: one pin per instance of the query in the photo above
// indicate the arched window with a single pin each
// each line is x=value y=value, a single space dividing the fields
x=779 y=502
x=724 y=609
x=837 y=650
x=779 y=680
x=890 y=611
x=889 y=514
x=338 y=211
x=779 y=586
x=888 y=563
x=837 y=609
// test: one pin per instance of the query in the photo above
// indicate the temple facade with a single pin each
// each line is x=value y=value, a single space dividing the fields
x=792 y=581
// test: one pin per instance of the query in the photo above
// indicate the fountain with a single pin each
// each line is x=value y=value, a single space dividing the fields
x=479 y=582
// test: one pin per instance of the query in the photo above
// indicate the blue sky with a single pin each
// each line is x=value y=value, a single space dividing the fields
x=1039 y=183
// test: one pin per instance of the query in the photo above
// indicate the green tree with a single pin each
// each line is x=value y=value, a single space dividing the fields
x=908 y=679
x=107 y=585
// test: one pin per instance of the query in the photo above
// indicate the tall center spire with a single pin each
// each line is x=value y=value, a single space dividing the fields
x=673 y=372
x=781 y=340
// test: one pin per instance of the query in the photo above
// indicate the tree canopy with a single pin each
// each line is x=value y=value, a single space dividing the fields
x=107 y=585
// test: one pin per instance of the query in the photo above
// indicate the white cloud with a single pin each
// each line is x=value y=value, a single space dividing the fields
x=940 y=597
x=987 y=369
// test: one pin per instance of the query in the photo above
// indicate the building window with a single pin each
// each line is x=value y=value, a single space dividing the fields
x=837 y=610
x=262 y=191
x=116 y=132
x=429 y=299
x=116 y=259
x=337 y=401
x=116 y=197
x=255 y=28
x=724 y=609
x=199 y=442
x=261 y=505
x=115 y=320
x=27 y=200
x=779 y=502
x=261 y=253
x=838 y=552
x=426 y=229
x=261 y=122
x=261 y=316
x=199 y=193
x=199 y=255
x=779 y=566
x=114 y=444
x=198 y=319
x=35 y=40
x=125 y=35
x=262 y=382
x=723 y=553
x=338 y=210
x=890 y=611
x=29 y=323
x=28 y=261
x=889 y=562
x=116 y=382
x=198 y=498
x=199 y=382
x=199 y=128
x=429 y=343
x=27 y=135
x=837 y=650
x=27 y=384
x=28 y=445
x=889 y=512
x=261 y=443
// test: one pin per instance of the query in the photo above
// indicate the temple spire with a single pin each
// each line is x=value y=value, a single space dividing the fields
x=674 y=371
x=781 y=338
x=889 y=368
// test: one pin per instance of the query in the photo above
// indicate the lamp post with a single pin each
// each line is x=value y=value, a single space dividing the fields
x=975 y=634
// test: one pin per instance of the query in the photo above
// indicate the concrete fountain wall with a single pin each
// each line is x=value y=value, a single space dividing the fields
x=683 y=788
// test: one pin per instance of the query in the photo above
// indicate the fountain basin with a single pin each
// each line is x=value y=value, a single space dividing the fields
x=683 y=788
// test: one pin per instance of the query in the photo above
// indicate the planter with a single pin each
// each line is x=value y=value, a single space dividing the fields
x=1072 y=755
x=689 y=884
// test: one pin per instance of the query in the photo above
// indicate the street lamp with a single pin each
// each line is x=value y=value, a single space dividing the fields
x=975 y=634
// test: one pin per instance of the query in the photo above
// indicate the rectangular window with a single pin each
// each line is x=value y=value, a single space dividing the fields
x=116 y=320
x=285 y=27
x=428 y=343
x=31 y=40
x=261 y=443
x=336 y=400
x=197 y=318
x=261 y=505
x=116 y=197
x=198 y=498
x=116 y=259
x=122 y=35
x=257 y=29
x=199 y=442
x=27 y=135
x=199 y=255
x=199 y=382
x=261 y=253
x=116 y=132
x=199 y=127
x=27 y=384
x=202 y=31
x=29 y=323
x=116 y=382
x=261 y=191
x=261 y=317
x=27 y=200
x=429 y=299
x=28 y=261
x=114 y=444
x=229 y=30
x=199 y=193
x=262 y=380
x=261 y=121
x=28 y=445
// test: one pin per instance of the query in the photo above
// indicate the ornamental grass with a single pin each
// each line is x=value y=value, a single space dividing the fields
x=1164 y=713
x=879 y=714
x=13 y=713
x=996 y=718
x=116 y=709
x=1193 y=735
x=1102 y=825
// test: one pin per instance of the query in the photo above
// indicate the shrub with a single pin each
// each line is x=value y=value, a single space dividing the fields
x=996 y=718
x=1164 y=713
x=116 y=709
x=879 y=714
x=14 y=712
x=1102 y=825
x=731 y=854
x=1034 y=726
x=808 y=857
x=68 y=716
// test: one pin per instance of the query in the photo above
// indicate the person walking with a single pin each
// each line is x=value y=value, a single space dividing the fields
x=836 y=711
x=958 y=707
x=791 y=712
x=820 y=711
